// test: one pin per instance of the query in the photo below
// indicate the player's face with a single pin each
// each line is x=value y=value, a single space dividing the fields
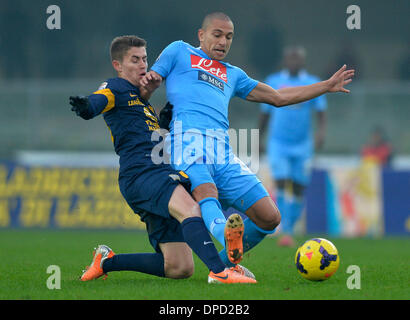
x=216 y=39
x=294 y=62
x=133 y=66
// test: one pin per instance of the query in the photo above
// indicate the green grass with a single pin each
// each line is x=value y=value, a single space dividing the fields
x=25 y=256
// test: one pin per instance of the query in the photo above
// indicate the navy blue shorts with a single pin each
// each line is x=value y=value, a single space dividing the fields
x=148 y=193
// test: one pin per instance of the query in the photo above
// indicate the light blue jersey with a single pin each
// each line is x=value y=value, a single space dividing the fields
x=289 y=140
x=292 y=124
x=200 y=88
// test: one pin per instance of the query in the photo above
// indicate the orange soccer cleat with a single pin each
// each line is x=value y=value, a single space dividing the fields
x=95 y=270
x=243 y=271
x=234 y=229
x=229 y=276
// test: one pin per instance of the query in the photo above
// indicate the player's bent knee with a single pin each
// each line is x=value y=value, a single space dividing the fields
x=179 y=270
x=185 y=272
x=276 y=218
x=178 y=261
x=265 y=214
x=273 y=219
x=271 y=222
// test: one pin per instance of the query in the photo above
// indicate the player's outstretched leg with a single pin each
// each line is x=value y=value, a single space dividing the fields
x=292 y=213
x=95 y=270
x=196 y=235
x=267 y=216
x=234 y=230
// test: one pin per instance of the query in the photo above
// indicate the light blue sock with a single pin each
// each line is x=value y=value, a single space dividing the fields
x=251 y=237
x=281 y=199
x=283 y=206
x=214 y=218
x=295 y=208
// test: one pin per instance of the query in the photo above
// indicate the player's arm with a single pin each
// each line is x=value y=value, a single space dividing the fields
x=292 y=95
x=89 y=107
x=161 y=68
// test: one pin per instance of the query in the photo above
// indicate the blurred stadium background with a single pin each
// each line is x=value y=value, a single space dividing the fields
x=59 y=171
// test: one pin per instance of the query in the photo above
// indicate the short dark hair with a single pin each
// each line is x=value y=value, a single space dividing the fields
x=214 y=15
x=120 y=46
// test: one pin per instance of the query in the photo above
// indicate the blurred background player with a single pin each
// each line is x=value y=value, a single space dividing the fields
x=378 y=149
x=156 y=192
x=290 y=145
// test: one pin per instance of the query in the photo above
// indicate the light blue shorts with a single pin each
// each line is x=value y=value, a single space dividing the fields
x=288 y=162
x=237 y=185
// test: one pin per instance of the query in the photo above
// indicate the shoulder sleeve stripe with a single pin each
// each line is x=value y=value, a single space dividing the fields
x=110 y=97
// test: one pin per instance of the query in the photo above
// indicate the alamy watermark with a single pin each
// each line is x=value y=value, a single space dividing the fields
x=53 y=21
x=214 y=146
x=54 y=280
x=354 y=19
x=353 y=281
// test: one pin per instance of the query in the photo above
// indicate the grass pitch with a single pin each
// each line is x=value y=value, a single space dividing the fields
x=26 y=255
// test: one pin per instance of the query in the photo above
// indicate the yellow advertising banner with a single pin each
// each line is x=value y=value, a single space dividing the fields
x=63 y=198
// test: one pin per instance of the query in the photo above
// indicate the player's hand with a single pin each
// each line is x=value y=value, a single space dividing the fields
x=80 y=106
x=151 y=81
x=341 y=78
x=165 y=116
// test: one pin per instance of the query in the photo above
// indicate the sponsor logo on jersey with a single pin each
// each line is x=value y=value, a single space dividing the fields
x=135 y=102
x=213 y=67
x=211 y=80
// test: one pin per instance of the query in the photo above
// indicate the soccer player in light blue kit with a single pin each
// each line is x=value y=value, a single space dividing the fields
x=290 y=143
x=200 y=85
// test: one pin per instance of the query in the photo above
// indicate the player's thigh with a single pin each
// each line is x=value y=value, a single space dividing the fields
x=301 y=167
x=202 y=182
x=150 y=188
x=234 y=182
x=181 y=205
x=178 y=260
x=279 y=162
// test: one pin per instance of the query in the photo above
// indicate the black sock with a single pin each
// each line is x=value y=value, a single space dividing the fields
x=197 y=237
x=150 y=263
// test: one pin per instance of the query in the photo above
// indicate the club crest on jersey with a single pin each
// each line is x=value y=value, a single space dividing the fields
x=213 y=67
x=102 y=86
x=211 y=80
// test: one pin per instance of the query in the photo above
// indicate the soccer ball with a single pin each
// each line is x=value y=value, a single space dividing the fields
x=317 y=259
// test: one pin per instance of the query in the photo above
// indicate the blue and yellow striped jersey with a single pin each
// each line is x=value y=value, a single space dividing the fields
x=130 y=118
